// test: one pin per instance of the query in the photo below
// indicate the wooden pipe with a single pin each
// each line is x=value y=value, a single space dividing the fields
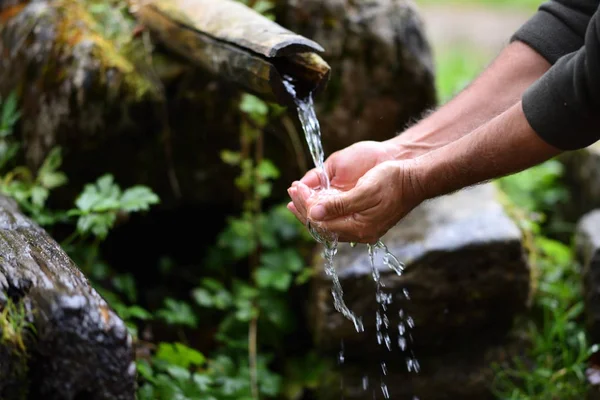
x=238 y=44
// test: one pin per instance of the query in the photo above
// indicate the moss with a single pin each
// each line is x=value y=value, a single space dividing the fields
x=104 y=27
x=14 y=323
x=15 y=327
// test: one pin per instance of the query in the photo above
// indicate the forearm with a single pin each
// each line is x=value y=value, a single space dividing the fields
x=499 y=87
x=505 y=145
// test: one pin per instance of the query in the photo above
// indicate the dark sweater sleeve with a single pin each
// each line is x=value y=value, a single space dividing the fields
x=563 y=106
x=558 y=28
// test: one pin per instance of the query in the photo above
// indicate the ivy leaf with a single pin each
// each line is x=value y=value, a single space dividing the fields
x=145 y=370
x=97 y=224
x=48 y=174
x=180 y=355
x=203 y=297
x=253 y=106
x=138 y=198
x=231 y=157
x=267 y=170
x=39 y=195
x=177 y=313
x=101 y=196
x=275 y=278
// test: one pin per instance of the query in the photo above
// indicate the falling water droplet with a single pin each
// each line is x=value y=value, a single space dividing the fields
x=388 y=342
x=365 y=382
x=383 y=368
x=402 y=343
x=384 y=390
x=401 y=329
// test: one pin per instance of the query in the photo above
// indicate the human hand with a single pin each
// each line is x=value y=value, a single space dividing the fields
x=345 y=167
x=365 y=212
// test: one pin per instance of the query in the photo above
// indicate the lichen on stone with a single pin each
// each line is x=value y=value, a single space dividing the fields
x=102 y=40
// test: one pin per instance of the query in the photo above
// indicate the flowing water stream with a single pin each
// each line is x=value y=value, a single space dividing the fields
x=329 y=240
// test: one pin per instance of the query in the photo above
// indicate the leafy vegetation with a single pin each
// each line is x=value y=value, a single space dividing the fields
x=14 y=325
x=554 y=367
x=260 y=244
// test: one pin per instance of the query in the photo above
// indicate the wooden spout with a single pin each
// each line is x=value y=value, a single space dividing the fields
x=236 y=43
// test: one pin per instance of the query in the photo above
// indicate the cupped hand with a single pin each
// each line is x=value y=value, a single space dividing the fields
x=366 y=211
x=345 y=167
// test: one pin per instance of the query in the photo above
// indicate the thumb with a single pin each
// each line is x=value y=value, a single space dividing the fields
x=332 y=206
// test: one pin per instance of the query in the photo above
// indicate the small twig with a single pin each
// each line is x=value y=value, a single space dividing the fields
x=252 y=355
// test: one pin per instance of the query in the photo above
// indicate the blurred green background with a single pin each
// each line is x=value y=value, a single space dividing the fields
x=467 y=34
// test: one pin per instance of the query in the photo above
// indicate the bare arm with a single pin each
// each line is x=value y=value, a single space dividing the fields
x=507 y=144
x=499 y=87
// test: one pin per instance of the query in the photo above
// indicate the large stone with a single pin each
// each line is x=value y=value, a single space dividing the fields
x=466 y=274
x=80 y=348
x=587 y=240
x=467 y=278
x=455 y=374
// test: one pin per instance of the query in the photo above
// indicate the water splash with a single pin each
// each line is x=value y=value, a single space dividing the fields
x=329 y=240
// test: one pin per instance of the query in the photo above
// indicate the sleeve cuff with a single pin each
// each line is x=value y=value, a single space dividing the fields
x=555 y=120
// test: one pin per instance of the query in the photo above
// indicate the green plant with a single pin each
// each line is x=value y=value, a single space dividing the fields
x=554 y=365
x=265 y=244
x=14 y=325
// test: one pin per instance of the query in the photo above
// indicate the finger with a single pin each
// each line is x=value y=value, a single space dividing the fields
x=349 y=229
x=299 y=202
x=294 y=211
x=344 y=204
x=304 y=193
x=311 y=179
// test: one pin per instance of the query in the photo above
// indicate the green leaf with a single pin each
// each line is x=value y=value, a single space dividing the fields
x=125 y=284
x=10 y=115
x=138 y=313
x=144 y=369
x=39 y=195
x=267 y=170
x=203 y=297
x=180 y=355
x=97 y=224
x=99 y=197
x=138 y=198
x=253 y=106
x=177 y=313
x=231 y=157
x=263 y=189
x=48 y=174
x=267 y=277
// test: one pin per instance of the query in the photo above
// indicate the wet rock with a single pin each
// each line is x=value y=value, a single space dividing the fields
x=466 y=277
x=466 y=374
x=466 y=274
x=79 y=347
x=582 y=179
x=587 y=241
x=382 y=69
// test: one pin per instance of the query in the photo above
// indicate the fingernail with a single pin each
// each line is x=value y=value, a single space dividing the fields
x=295 y=183
x=318 y=212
